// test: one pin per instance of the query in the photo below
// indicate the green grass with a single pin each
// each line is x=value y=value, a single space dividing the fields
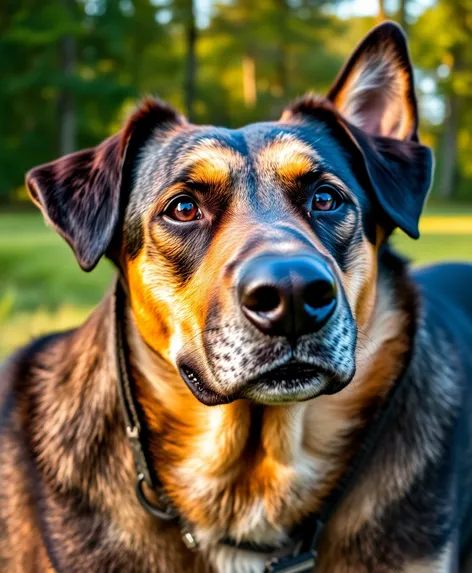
x=41 y=286
x=38 y=269
x=431 y=248
x=43 y=289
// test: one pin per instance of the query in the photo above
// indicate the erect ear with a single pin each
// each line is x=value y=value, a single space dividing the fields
x=374 y=94
x=81 y=195
x=374 y=90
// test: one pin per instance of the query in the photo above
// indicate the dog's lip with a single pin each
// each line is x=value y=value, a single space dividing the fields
x=200 y=390
x=286 y=374
x=290 y=382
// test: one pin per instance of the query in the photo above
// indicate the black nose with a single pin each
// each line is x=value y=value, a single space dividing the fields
x=287 y=296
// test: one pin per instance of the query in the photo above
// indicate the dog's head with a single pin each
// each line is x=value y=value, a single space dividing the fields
x=251 y=254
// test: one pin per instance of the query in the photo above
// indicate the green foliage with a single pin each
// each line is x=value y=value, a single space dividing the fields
x=251 y=58
x=117 y=49
x=444 y=53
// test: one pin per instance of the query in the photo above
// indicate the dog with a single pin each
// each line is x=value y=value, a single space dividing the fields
x=264 y=356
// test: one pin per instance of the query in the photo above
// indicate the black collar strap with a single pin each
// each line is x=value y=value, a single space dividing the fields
x=300 y=556
x=134 y=429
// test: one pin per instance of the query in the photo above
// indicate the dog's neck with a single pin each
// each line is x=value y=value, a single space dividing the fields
x=253 y=472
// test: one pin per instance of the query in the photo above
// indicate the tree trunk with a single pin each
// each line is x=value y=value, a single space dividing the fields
x=381 y=15
x=66 y=102
x=281 y=59
x=449 y=149
x=402 y=15
x=249 y=82
x=191 y=67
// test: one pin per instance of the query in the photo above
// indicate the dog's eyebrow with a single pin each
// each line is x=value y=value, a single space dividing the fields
x=211 y=163
x=296 y=167
x=290 y=157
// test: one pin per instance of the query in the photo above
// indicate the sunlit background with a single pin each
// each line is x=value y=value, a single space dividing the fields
x=71 y=70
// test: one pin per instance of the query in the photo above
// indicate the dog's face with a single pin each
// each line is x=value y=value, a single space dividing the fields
x=251 y=254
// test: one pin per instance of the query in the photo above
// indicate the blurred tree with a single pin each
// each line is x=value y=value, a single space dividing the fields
x=66 y=99
x=29 y=39
x=191 y=57
x=71 y=69
x=184 y=11
x=272 y=51
x=402 y=14
x=382 y=14
x=445 y=54
x=68 y=67
x=183 y=26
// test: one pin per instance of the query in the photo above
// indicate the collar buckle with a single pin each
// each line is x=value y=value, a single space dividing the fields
x=189 y=541
x=302 y=563
x=166 y=512
x=132 y=432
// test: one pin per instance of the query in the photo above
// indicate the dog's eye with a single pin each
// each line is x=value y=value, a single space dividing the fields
x=326 y=199
x=183 y=209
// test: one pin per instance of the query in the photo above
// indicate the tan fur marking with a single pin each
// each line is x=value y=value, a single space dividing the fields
x=209 y=173
x=211 y=158
x=298 y=166
x=288 y=157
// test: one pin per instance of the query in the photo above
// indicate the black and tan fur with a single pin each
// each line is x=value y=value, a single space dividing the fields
x=256 y=464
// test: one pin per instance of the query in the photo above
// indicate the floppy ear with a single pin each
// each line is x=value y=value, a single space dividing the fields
x=81 y=195
x=374 y=93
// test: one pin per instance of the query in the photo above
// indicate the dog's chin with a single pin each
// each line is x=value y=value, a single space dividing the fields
x=292 y=390
x=294 y=382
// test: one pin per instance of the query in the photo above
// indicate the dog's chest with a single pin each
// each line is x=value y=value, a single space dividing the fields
x=229 y=560
x=263 y=500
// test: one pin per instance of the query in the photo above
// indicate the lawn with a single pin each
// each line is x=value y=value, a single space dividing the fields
x=43 y=289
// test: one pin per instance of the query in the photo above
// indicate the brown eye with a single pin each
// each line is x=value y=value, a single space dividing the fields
x=183 y=209
x=326 y=199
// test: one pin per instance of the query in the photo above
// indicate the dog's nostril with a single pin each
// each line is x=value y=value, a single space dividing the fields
x=262 y=299
x=319 y=293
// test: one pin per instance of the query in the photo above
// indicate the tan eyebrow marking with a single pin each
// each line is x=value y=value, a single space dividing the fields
x=211 y=163
x=289 y=157
x=206 y=172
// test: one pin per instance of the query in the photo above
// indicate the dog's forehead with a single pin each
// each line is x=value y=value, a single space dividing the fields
x=256 y=145
x=250 y=141
x=241 y=157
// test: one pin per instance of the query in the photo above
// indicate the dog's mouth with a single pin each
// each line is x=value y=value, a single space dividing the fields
x=201 y=390
x=290 y=382
x=290 y=373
